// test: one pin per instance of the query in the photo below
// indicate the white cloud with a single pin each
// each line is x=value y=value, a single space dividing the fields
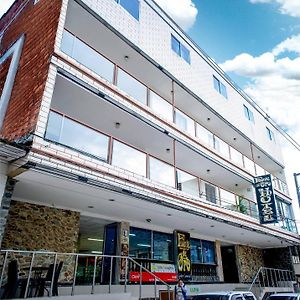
x=288 y=7
x=4 y=6
x=184 y=12
x=291 y=44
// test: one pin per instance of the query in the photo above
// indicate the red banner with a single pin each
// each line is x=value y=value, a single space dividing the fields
x=146 y=277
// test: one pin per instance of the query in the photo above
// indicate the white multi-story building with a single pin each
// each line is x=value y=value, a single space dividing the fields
x=119 y=132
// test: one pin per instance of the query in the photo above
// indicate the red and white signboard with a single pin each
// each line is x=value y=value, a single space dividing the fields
x=165 y=272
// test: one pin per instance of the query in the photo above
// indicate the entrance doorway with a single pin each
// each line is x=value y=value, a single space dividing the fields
x=229 y=264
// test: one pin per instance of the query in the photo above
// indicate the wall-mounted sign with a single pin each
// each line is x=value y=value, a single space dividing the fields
x=265 y=199
x=183 y=253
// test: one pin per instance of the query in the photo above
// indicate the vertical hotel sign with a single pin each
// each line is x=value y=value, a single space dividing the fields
x=183 y=253
x=265 y=199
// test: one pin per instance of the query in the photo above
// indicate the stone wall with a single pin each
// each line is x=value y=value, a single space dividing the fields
x=37 y=227
x=249 y=261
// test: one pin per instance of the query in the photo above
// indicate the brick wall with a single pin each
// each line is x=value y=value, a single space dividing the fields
x=36 y=227
x=39 y=23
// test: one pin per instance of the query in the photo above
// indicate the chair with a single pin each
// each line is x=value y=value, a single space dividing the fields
x=46 y=282
x=11 y=286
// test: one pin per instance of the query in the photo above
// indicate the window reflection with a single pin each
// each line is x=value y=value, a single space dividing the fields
x=86 y=56
x=132 y=87
x=208 y=252
x=196 y=251
x=161 y=172
x=140 y=243
x=129 y=158
x=162 y=246
x=70 y=133
x=161 y=106
x=187 y=183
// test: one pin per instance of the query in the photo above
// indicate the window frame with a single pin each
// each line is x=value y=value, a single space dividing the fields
x=119 y=2
x=182 y=50
x=220 y=87
x=248 y=114
x=270 y=134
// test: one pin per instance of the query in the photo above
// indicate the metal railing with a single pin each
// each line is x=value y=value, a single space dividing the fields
x=104 y=267
x=270 y=277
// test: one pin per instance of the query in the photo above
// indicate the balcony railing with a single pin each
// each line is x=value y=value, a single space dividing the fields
x=63 y=130
x=96 y=62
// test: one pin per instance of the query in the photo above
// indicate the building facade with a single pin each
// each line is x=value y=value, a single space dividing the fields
x=121 y=136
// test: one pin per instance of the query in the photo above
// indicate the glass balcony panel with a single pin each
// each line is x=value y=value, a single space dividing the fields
x=228 y=199
x=221 y=147
x=243 y=205
x=75 y=135
x=249 y=165
x=187 y=183
x=184 y=122
x=132 y=87
x=236 y=156
x=129 y=158
x=259 y=170
x=87 y=56
x=211 y=193
x=204 y=135
x=161 y=106
x=161 y=172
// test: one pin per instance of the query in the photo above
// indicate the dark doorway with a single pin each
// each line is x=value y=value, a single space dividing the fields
x=110 y=248
x=229 y=264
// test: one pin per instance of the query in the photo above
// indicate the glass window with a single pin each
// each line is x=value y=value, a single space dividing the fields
x=208 y=249
x=161 y=172
x=184 y=122
x=132 y=87
x=223 y=90
x=216 y=84
x=243 y=205
x=228 y=199
x=219 y=87
x=75 y=135
x=86 y=56
x=180 y=49
x=204 y=135
x=139 y=243
x=270 y=134
x=211 y=193
x=187 y=183
x=132 y=6
x=161 y=106
x=162 y=246
x=196 y=251
x=236 y=156
x=248 y=114
x=175 y=45
x=185 y=53
x=129 y=158
x=259 y=170
x=222 y=147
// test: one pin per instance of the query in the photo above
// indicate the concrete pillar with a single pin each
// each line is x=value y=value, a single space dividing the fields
x=219 y=261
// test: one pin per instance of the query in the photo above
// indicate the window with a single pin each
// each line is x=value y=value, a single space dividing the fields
x=161 y=106
x=270 y=134
x=129 y=158
x=248 y=114
x=210 y=192
x=228 y=200
x=77 y=136
x=162 y=246
x=221 y=147
x=180 y=49
x=140 y=243
x=184 y=122
x=161 y=172
x=220 y=87
x=132 y=6
x=86 y=56
x=132 y=87
x=187 y=183
x=208 y=249
x=196 y=251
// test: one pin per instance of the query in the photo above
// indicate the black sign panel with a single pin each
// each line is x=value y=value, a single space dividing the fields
x=183 y=254
x=265 y=199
